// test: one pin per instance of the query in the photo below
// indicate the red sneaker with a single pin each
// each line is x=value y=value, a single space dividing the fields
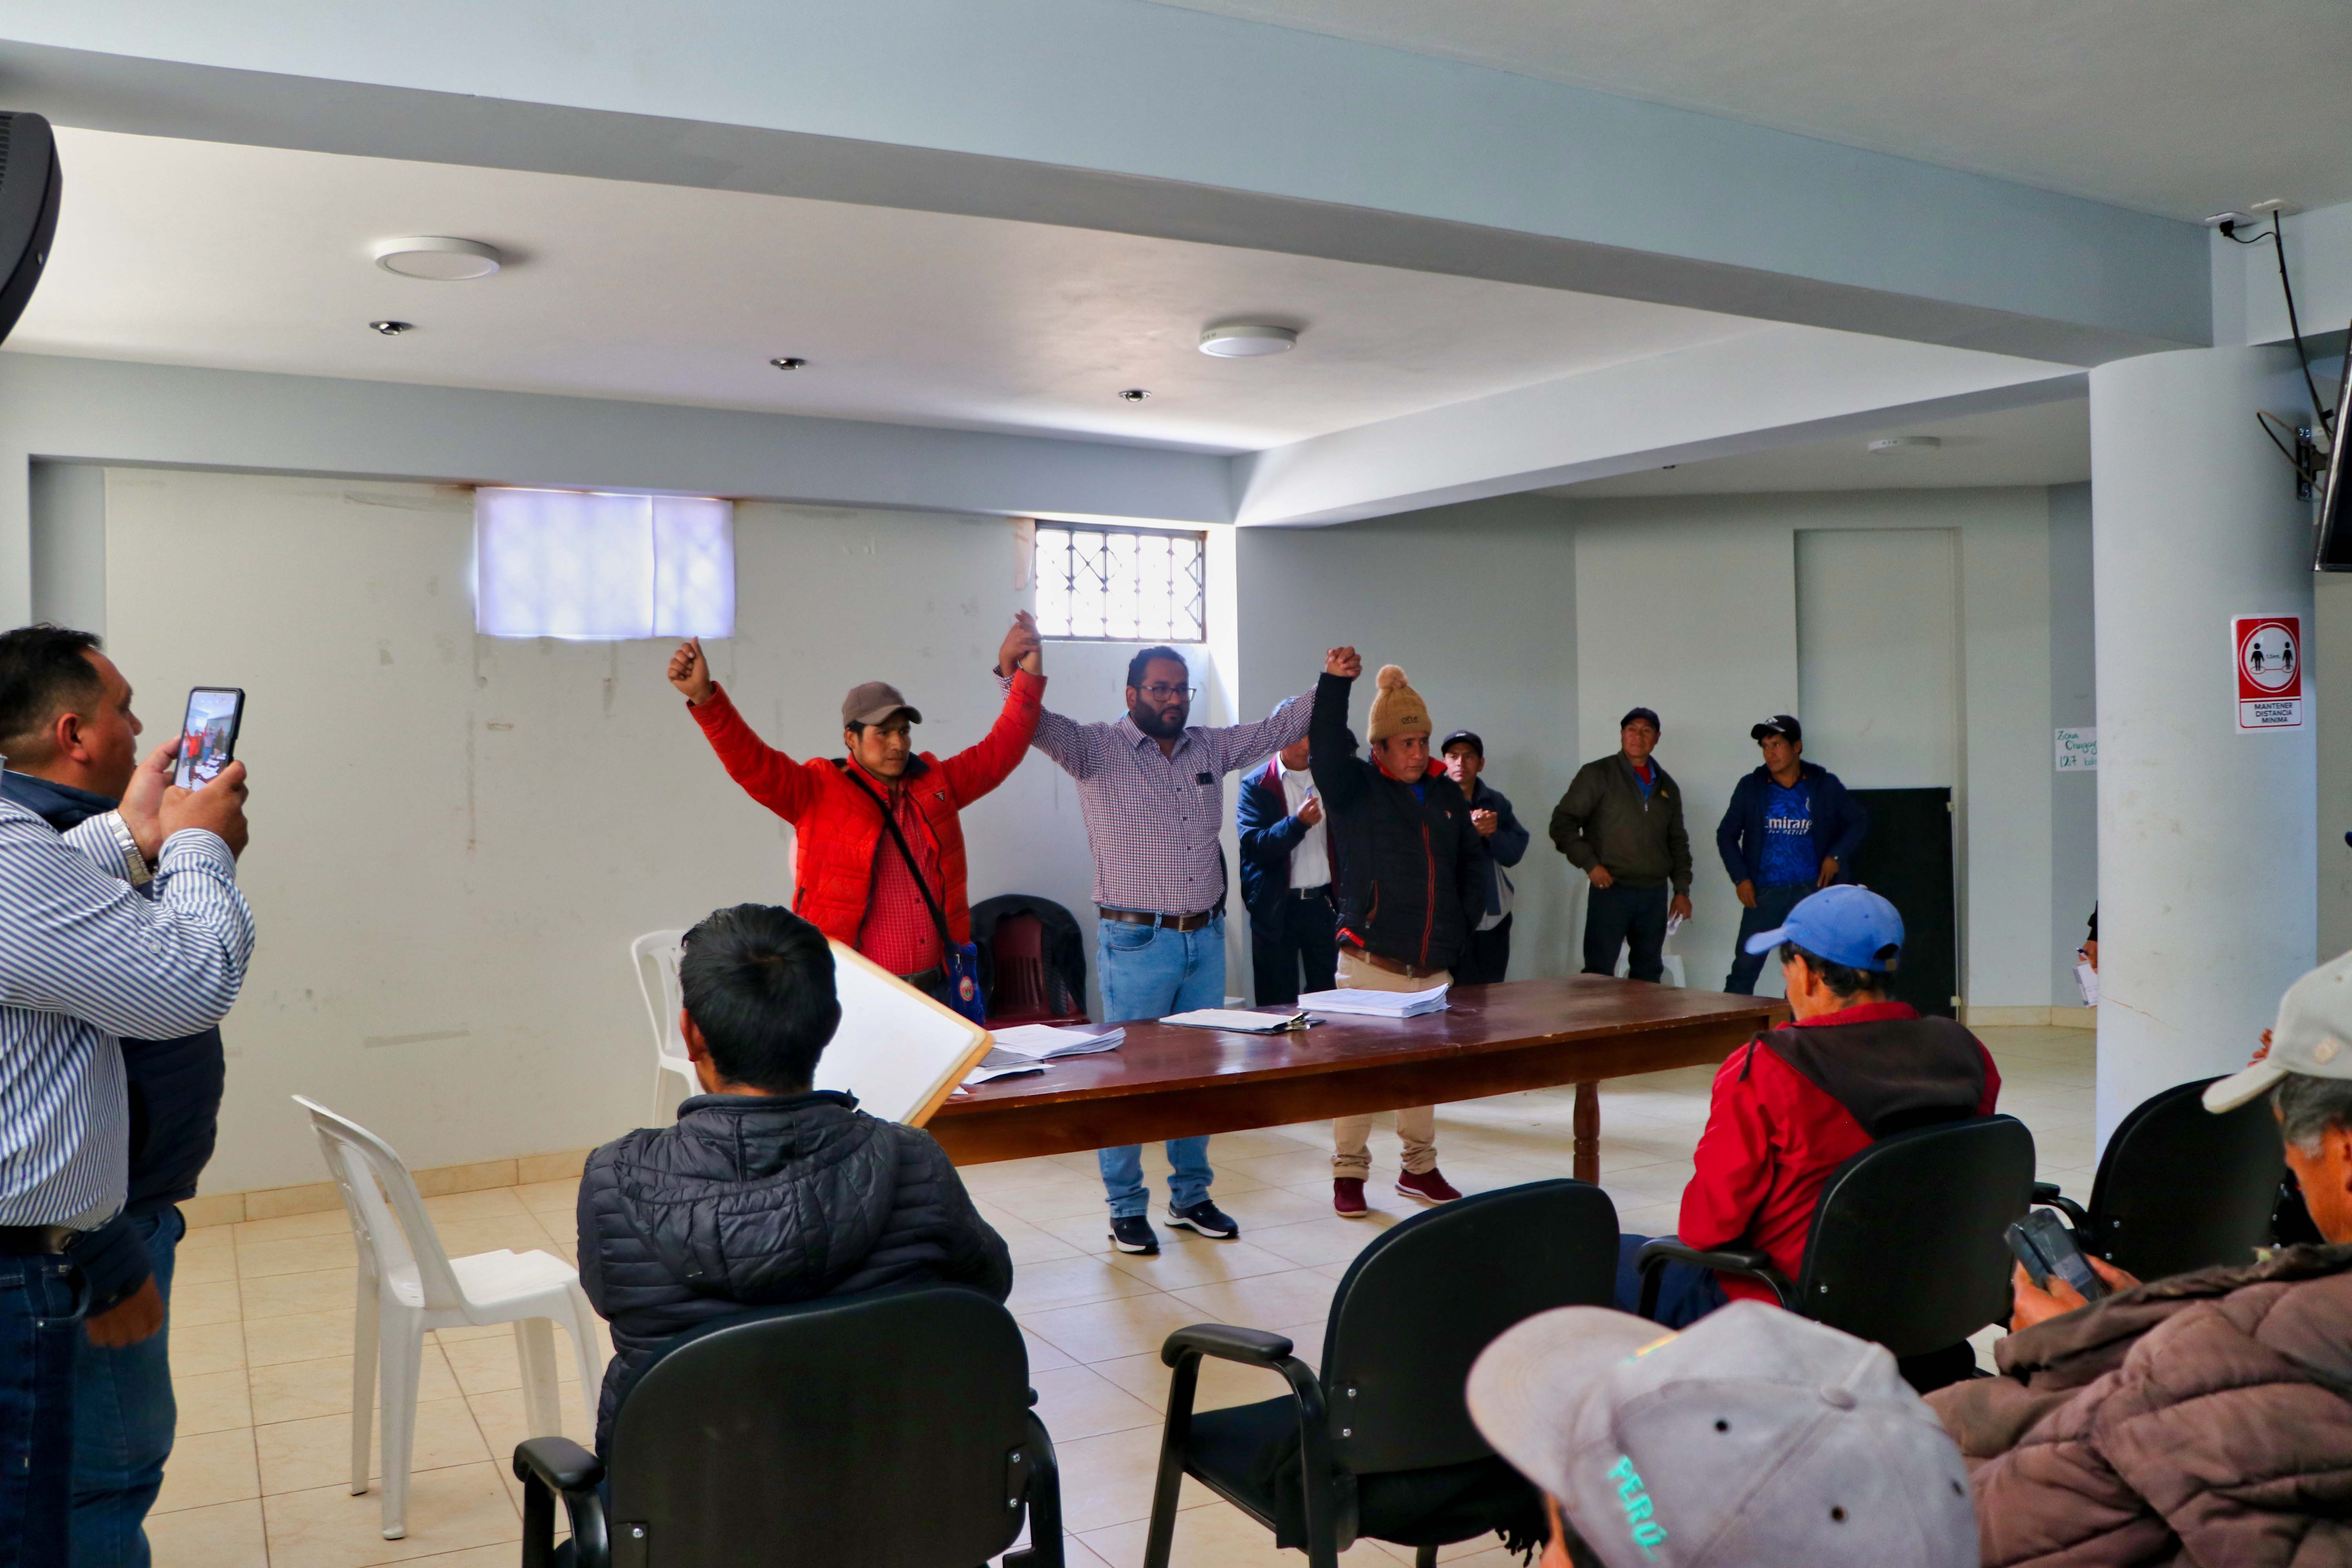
x=1429 y=1186
x=1347 y=1195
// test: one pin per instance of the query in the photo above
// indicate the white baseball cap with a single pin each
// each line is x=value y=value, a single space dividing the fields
x=2313 y=1037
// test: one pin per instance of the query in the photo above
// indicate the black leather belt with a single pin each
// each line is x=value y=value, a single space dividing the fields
x=35 y=1240
x=1323 y=892
x=1166 y=922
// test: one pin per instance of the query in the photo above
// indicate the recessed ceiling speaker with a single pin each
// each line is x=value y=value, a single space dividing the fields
x=438 y=258
x=30 y=183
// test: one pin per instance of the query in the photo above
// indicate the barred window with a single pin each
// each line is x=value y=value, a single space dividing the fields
x=1106 y=585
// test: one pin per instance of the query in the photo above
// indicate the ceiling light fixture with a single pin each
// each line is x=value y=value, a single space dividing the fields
x=391 y=329
x=1248 y=341
x=1134 y=395
x=1886 y=444
x=789 y=361
x=438 y=258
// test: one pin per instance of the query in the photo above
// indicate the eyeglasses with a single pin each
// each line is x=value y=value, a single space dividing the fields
x=1168 y=693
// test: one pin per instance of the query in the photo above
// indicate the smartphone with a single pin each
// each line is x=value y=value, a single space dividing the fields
x=208 y=734
x=2043 y=1244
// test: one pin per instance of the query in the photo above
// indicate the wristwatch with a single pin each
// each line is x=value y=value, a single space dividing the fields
x=135 y=869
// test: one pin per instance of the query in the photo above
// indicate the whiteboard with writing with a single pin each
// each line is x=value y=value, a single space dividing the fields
x=899 y=1052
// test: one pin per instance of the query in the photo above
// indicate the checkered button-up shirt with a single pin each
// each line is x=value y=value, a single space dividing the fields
x=1153 y=818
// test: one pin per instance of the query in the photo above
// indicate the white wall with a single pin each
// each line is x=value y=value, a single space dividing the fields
x=1713 y=578
x=2074 y=704
x=455 y=836
x=1478 y=604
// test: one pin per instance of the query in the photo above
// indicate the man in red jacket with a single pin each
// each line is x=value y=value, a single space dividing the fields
x=1797 y=1101
x=852 y=882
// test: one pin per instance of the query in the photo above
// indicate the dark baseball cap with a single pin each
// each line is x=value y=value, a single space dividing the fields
x=874 y=703
x=1651 y=714
x=1464 y=738
x=1753 y=1437
x=1780 y=724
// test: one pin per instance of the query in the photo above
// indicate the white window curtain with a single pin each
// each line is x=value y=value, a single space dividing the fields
x=588 y=566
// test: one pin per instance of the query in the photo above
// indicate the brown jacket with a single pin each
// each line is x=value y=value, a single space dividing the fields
x=2202 y=1419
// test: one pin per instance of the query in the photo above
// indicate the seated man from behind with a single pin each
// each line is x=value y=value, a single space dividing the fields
x=1797 y=1101
x=2202 y=1418
x=765 y=1192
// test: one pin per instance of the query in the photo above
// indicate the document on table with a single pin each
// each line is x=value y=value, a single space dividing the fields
x=1377 y=1003
x=1237 y=1020
x=1027 y=1048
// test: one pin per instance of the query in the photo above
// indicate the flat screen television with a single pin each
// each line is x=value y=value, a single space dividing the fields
x=2333 y=543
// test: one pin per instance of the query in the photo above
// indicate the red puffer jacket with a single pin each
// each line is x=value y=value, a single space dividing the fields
x=2202 y=1419
x=838 y=825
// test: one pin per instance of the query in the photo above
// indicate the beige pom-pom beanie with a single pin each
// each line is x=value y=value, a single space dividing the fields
x=1397 y=709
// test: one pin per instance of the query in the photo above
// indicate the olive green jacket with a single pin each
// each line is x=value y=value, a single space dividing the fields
x=1603 y=820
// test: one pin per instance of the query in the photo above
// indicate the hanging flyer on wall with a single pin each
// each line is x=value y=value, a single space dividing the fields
x=2269 y=654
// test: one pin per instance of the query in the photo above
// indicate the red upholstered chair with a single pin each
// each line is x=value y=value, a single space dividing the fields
x=1024 y=991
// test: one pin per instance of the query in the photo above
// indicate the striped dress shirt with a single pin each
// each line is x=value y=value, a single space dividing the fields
x=1151 y=818
x=84 y=961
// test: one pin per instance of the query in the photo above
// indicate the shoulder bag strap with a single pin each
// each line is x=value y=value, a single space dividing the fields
x=890 y=821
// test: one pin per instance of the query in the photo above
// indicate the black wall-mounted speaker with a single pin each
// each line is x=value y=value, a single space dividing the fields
x=30 y=181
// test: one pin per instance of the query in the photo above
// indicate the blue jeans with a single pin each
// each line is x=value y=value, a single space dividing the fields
x=41 y=1300
x=123 y=1419
x=1150 y=972
x=1686 y=1294
x=1771 y=912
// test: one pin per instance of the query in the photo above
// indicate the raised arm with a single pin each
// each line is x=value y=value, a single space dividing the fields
x=975 y=770
x=767 y=776
x=86 y=946
x=1339 y=773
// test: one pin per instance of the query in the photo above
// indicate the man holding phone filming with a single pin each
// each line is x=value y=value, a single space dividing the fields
x=125 y=929
x=1795 y=1103
x=2202 y=1418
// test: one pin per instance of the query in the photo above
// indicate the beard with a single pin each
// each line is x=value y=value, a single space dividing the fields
x=1151 y=722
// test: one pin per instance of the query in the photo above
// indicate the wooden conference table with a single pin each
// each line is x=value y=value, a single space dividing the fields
x=1166 y=1081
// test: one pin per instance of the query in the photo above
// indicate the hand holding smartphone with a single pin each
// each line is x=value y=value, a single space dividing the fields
x=208 y=734
x=2045 y=1246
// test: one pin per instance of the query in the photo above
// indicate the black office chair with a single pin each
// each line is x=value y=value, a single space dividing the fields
x=1907 y=1247
x=1382 y=1445
x=2179 y=1187
x=891 y=1430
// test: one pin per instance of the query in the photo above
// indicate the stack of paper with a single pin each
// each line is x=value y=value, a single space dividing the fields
x=1377 y=1003
x=1027 y=1048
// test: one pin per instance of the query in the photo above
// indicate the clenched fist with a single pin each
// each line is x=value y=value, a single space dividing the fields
x=689 y=671
x=1343 y=662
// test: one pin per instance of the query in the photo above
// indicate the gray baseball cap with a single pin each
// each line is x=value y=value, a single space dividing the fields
x=874 y=703
x=1755 y=1436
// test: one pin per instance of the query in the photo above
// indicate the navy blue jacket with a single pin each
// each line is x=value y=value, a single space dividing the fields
x=1269 y=833
x=1839 y=823
x=174 y=1090
x=1508 y=845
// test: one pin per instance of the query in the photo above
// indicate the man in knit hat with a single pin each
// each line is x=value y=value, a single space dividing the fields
x=1410 y=887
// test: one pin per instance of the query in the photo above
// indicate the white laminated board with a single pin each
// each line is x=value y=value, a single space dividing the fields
x=899 y=1052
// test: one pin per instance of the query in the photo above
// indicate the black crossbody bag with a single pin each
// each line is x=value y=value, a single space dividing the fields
x=961 y=959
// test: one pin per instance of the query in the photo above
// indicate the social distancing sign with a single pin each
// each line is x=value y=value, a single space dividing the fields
x=2269 y=653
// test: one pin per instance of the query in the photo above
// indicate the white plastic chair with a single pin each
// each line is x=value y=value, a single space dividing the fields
x=655 y=958
x=407 y=1284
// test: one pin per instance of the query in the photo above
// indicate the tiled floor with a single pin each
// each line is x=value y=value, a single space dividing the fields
x=262 y=1325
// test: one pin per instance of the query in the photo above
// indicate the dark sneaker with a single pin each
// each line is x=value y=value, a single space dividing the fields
x=1205 y=1217
x=1428 y=1187
x=1347 y=1195
x=1133 y=1233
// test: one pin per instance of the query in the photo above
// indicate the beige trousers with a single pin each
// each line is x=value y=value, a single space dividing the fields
x=1416 y=1126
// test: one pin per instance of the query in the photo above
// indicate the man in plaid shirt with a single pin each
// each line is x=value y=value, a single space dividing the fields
x=1151 y=788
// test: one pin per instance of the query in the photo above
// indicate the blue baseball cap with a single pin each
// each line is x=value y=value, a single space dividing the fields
x=1845 y=924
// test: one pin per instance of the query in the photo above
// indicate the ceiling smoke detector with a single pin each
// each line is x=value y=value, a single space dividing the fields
x=1887 y=443
x=1248 y=341
x=438 y=258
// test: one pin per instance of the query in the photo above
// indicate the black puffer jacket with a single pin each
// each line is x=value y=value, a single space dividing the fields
x=754 y=1201
x=1408 y=871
